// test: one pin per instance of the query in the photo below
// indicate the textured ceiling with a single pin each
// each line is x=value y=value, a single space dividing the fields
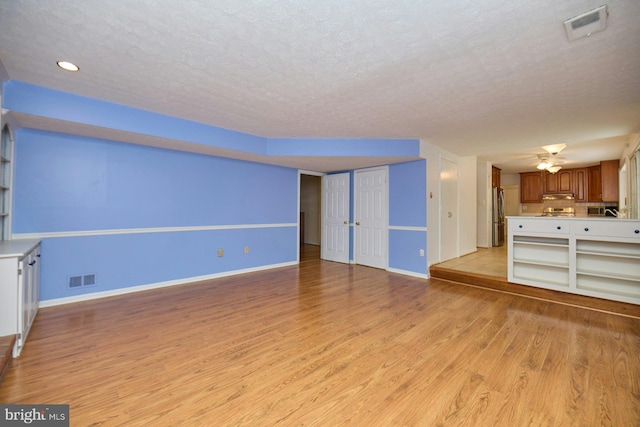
x=474 y=77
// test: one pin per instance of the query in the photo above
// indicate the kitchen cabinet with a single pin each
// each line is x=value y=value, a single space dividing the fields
x=595 y=184
x=566 y=181
x=531 y=187
x=560 y=182
x=609 y=180
x=597 y=257
x=603 y=182
x=495 y=176
x=19 y=288
x=580 y=184
x=550 y=182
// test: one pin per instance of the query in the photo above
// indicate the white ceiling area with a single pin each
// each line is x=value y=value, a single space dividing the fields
x=497 y=79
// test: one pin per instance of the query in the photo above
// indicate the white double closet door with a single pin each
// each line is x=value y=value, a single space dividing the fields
x=370 y=217
x=335 y=217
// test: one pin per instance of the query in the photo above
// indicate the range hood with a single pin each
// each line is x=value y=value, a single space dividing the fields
x=557 y=196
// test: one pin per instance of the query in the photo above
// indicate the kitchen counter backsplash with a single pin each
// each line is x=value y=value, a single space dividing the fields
x=534 y=209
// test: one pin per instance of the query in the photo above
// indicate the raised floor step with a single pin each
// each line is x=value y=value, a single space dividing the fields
x=501 y=284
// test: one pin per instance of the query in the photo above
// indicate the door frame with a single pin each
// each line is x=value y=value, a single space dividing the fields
x=300 y=173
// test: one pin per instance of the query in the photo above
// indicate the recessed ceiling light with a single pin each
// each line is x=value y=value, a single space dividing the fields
x=68 y=66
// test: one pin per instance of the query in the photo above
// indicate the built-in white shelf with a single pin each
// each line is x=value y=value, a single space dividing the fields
x=599 y=258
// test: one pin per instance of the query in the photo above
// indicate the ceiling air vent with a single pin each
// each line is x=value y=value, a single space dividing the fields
x=586 y=24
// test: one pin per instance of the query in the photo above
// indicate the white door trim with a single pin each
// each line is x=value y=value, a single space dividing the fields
x=300 y=173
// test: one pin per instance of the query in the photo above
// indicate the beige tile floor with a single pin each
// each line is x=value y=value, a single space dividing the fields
x=489 y=261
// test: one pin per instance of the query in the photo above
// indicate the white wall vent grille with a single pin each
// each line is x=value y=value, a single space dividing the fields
x=75 y=281
x=586 y=24
x=80 y=281
x=89 y=279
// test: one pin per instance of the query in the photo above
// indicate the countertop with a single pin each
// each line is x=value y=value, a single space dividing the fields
x=17 y=248
x=579 y=218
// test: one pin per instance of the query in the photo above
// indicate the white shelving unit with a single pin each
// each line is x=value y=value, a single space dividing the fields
x=20 y=288
x=534 y=257
x=5 y=183
x=594 y=257
x=539 y=253
x=608 y=259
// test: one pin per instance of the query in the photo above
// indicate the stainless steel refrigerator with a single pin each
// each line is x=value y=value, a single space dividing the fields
x=497 y=213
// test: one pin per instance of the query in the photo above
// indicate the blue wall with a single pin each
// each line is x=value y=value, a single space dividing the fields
x=39 y=101
x=88 y=188
x=408 y=212
x=67 y=183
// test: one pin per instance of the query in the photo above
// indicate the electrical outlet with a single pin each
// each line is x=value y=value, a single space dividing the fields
x=421 y=252
x=246 y=249
x=220 y=252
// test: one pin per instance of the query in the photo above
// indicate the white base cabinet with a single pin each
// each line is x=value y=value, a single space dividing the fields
x=594 y=257
x=19 y=289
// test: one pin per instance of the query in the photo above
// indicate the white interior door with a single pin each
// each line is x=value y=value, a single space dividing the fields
x=449 y=210
x=371 y=216
x=335 y=217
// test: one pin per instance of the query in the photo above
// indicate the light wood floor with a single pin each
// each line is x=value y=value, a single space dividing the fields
x=327 y=344
x=488 y=261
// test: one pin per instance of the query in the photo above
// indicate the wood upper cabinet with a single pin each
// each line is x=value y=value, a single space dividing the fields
x=565 y=181
x=595 y=184
x=531 y=185
x=550 y=182
x=495 y=176
x=560 y=182
x=580 y=184
x=609 y=180
x=603 y=182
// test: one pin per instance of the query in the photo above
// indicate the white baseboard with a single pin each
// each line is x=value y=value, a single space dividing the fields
x=122 y=291
x=409 y=273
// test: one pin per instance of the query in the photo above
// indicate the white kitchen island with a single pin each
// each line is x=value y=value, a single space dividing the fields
x=592 y=256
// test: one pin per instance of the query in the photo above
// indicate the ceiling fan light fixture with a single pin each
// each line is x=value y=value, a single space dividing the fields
x=544 y=165
x=68 y=66
x=554 y=169
x=554 y=149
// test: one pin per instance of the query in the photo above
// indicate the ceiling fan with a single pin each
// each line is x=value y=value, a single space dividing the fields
x=549 y=161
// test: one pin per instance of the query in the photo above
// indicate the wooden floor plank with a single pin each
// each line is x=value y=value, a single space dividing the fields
x=325 y=343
